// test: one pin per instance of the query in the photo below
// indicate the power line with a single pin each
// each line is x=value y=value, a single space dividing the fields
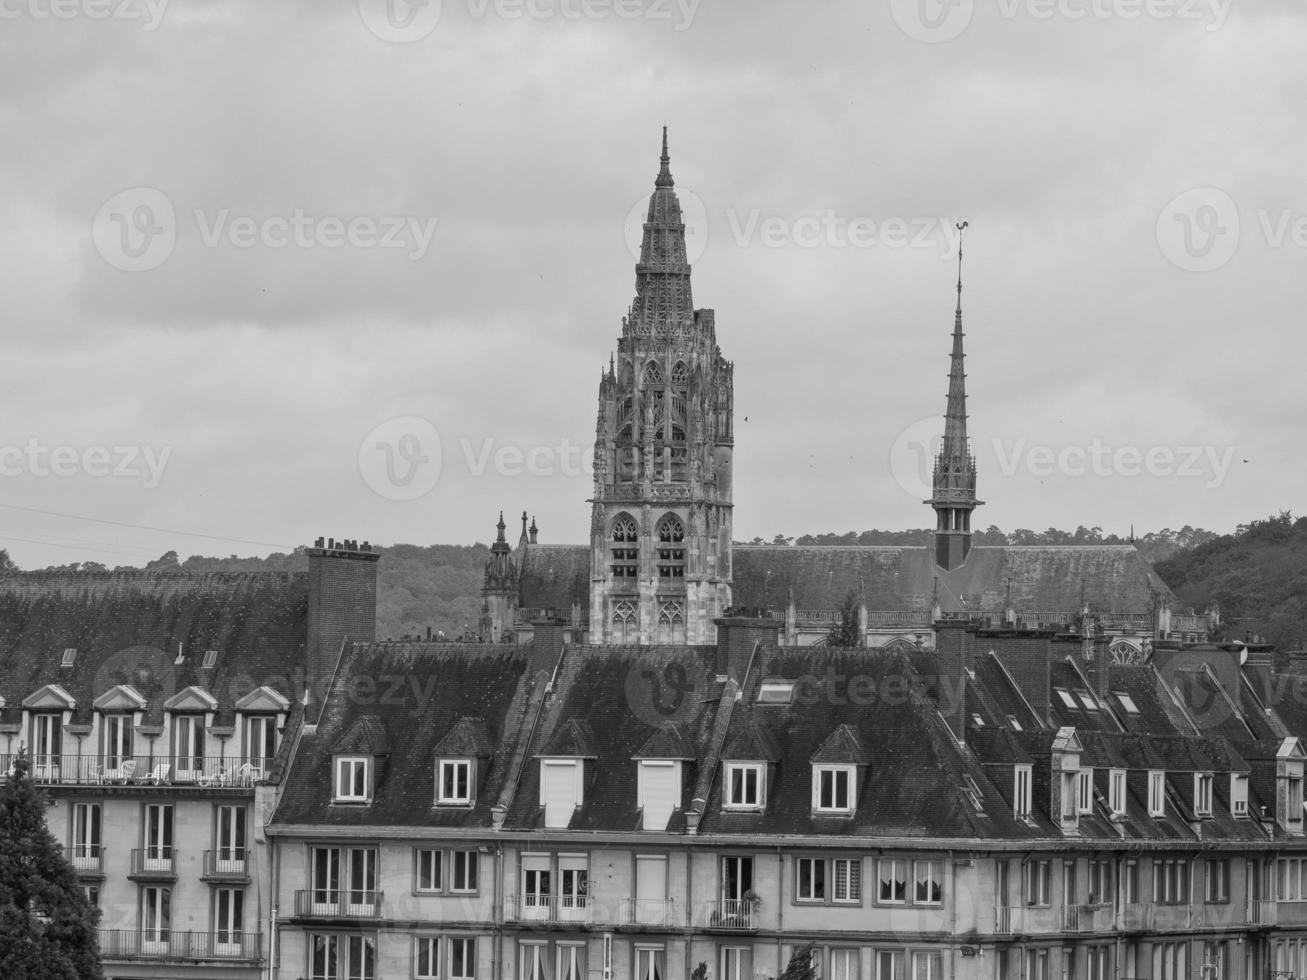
x=146 y=527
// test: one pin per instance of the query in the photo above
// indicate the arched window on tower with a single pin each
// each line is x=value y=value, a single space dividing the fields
x=671 y=549
x=625 y=628
x=671 y=621
x=626 y=552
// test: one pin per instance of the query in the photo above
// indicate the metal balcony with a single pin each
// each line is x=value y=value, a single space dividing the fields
x=172 y=944
x=154 y=863
x=736 y=914
x=548 y=909
x=337 y=903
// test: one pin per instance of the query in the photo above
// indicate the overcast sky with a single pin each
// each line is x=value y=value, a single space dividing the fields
x=344 y=267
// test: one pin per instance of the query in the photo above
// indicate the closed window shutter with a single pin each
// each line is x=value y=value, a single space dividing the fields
x=559 y=792
x=658 y=793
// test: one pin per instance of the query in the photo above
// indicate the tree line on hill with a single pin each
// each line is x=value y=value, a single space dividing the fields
x=1258 y=574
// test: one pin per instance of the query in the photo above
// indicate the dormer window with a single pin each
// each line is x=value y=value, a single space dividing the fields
x=1021 y=792
x=1085 y=792
x=1116 y=791
x=744 y=786
x=454 y=782
x=1156 y=793
x=353 y=782
x=1238 y=794
x=832 y=789
x=658 y=792
x=1202 y=794
x=560 y=790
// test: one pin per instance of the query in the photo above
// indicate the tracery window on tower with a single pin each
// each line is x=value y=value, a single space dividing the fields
x=653 y=374
x=626 y=551
x=671 y=549
x=625 y=628
x=671 y=621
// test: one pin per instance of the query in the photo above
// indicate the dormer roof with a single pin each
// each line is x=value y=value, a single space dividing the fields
x=124 y=697
x=573 y=740
x=367 y=736
x=192 y=698
x=50 y=697
x=467 y=739
x=667 y=742
x=842 y=747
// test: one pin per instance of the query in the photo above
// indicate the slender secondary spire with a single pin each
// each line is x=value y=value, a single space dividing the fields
x=955 y=417
x=954 y=491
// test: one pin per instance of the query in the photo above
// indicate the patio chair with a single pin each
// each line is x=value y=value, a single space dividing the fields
x=127 y=771
x=159 y=774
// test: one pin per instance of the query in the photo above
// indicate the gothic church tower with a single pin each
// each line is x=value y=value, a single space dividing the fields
x=660 y=533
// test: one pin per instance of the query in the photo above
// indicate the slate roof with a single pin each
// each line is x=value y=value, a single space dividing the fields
x=127 y=628
x=417 y=694
x=554 y=576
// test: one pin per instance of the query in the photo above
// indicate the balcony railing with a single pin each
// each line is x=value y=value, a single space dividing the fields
x=658 y=913
x=330 y=903
x=171 y=944
x=1262 y=913
x=1088 y=918
x=141 y=770
x=548 y=908
x=86 y=857
x=148 y=861
x=730 y=913
x=1028 y=919
x=226 y=862
x=1135 y=917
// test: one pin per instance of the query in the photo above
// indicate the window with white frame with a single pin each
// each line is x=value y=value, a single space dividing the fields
x=571 y=961
x=87 y=841
x=737 y=963
x=847 y=876
x=1202 y=794
x=462 y=958
x=928 y=882
x=832 y=789
x=560 y=790
x=1238 y=794
x=651 y=963
x=809 y=879
x=532 y=958
x=892 y=878
x=352 y=783
x=927 y=965
x=1100 y=881
x=1116 y=791
x=1171 y=881
x=843 y=964
x=261 y=740
x=454 y=781
x=1085 y=792
x=1291 y=880
x=463 y=871
x=1035 y=884
x=429 y=867
x=1037 y=964
x=889 y=964
x=1170 y=960
x=1156 y=793
x=744 y=785
x=426 y=957
x=334 y=956
x=1130 y=882
x=1096 y=962
x=1217 y=887
x=1021 y=792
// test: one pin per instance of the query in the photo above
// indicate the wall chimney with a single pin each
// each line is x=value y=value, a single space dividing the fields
x=955 y=649
x=736 y=638
x=342 y=605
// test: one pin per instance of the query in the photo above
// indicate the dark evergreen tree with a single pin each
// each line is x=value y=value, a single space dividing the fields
x=846 y=633
x=47 y=925
x=800 y=965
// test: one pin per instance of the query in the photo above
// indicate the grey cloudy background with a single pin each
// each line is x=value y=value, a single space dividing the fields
x=1132 y=171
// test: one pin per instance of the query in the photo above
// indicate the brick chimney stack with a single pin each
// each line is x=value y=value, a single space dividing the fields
x=342 y=605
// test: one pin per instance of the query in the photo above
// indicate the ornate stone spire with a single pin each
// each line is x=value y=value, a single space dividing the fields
x=663 y=299
x=954 y=485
